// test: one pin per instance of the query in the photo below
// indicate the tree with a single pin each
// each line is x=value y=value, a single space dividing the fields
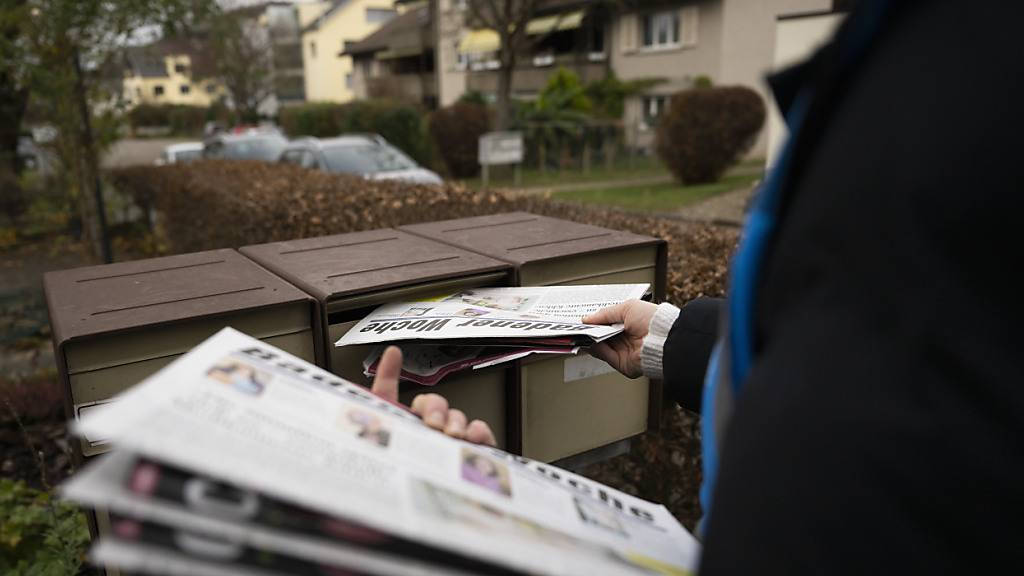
x=243 y=61
x=509 y=20
x=57 y=52
x=559 y=113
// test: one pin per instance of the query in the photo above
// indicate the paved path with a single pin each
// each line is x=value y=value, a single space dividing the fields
x=726 y=208
x=131 y=151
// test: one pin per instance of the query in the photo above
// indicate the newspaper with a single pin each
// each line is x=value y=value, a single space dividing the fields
x=242 y=413
x=429 y=364
x=496 y=313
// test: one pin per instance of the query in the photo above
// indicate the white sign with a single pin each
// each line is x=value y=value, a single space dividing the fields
x=500 y=148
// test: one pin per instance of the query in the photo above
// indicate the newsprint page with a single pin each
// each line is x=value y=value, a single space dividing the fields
x=239 y=458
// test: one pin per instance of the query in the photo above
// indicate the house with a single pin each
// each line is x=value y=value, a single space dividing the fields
x=397 y=61
x=562 y=34
x=278 y=26
x=169 y=71
x=326 y=30
x=727 y=41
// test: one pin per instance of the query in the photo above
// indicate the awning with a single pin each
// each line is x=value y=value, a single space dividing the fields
x=480 y=42
x=568 y=21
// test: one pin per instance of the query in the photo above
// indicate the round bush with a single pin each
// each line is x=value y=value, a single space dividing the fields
x=456 y=131
x=704 y=131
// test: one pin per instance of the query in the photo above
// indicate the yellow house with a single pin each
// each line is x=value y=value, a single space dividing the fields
x=326 y=28
x=169 y=72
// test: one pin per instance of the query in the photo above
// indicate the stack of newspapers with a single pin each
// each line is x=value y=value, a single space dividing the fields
x=487 y=326
x=239 y=458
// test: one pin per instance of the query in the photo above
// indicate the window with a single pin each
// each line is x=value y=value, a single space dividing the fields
x=210 y=88
x=660 y=29
x=461 y=59
x=379 y=15
x=348 y=80
x=185 y=88
x=180 y=68
x=312 y=49
x=653 y=108
x=158 y=90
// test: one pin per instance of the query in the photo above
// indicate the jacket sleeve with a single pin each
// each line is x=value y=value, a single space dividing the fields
x=687 y=350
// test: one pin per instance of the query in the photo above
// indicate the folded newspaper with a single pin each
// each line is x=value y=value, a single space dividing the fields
x=487 y=326
x=239 y=458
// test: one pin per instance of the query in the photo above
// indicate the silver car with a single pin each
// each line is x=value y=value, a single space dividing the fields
x=366 y=155
x=265 y=146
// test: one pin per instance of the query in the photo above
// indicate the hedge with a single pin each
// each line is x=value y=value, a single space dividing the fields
x=181 y=119
x=229 y=204
x=704 y=131
x=400 y=124
x=456 y=131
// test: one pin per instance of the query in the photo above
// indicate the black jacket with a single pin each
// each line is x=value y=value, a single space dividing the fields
x=882 y=426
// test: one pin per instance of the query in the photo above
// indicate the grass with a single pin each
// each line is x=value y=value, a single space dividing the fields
x=665 y=197
x=623 y=169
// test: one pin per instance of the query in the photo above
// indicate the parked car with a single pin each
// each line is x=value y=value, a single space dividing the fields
x=265 y=146
x=366 y=155
x=180 y=153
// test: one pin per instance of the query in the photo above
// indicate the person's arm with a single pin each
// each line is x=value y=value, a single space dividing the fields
x=678 y=347
x=662 y=342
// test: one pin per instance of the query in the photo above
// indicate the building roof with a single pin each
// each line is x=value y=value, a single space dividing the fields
x=148 y=61
x=403 y=33
x=325 y=15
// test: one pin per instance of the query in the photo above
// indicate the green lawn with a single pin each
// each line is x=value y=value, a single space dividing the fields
x=658 y=197
x=623 y=169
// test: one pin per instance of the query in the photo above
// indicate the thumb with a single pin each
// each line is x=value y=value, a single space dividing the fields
x=385 y=384
x=610 y=315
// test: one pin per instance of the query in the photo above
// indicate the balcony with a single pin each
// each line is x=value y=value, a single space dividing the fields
x=415 y=87
x=532 y=73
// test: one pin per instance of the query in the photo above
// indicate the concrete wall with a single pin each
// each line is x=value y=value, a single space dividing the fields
x=795 y=40
x=748 y=45
x=324 y=70
x=677 y=65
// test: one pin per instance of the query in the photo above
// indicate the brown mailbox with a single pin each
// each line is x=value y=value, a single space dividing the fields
x=116 y=324
x=351 y=274
x=567 y=406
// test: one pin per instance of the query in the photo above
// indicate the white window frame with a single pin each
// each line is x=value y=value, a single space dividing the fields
x=661 y=21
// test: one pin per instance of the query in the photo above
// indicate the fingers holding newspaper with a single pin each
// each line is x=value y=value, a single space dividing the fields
x=433 y=408
x=623 y=351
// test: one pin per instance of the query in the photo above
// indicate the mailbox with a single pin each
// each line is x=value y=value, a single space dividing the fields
x=351 y=274
x=567 y=407
x=115 y=324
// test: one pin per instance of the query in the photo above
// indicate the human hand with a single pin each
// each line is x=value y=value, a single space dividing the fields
x=623 y=351
x=433 y=408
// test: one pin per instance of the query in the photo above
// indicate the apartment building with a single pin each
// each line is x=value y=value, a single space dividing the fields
x=437 y=55
x=327 y=27
x=170 y=71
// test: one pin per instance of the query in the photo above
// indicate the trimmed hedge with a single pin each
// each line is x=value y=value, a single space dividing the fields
x=181 y=119
x=400 y=124
x=704 y=131
x=228 y=204
x=456 y=130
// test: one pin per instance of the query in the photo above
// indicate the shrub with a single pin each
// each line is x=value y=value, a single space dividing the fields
x=706 y=130
x=400 y=124
x=182 y=120
x=38 y=534
x=456 y=131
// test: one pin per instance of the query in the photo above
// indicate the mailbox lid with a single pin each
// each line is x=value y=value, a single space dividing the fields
x=105 y=299
x=522 y=238
x=343 y=265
